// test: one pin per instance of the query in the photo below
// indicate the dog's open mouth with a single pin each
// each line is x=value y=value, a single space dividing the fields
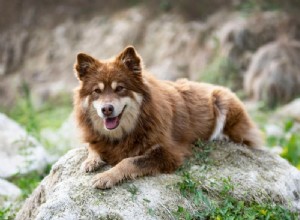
x=112 y=123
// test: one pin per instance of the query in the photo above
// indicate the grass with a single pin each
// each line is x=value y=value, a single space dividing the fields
x=291 y=149
x=250 y=6
x=289 y=140
x=28 y=182
x=7 y=213
x=222 y=205
x=200 y=157
x=227 y=206
x=290 y=143
x=133 y=190
x=50 y=114
x=222 y=71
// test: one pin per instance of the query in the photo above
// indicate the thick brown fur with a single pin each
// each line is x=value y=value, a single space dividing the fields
x=169 y=118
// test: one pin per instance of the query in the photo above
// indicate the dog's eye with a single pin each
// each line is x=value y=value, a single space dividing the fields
x=97 y=91
x=119 y=88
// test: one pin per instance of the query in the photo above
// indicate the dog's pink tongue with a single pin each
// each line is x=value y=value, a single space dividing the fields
x=111 y=123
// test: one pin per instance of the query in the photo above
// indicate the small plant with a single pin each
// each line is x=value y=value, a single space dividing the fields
x=291 y=149
x=151 y=212
x=133 y=190
x=201 y=152
x=290 y=143
x=6 y=213
x=190 y=188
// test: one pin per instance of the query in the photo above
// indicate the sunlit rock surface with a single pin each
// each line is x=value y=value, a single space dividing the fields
x=67 y=193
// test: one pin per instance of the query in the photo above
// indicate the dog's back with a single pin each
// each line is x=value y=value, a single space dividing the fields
x=209 y=112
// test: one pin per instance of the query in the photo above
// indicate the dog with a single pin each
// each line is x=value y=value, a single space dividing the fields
x=144 y=126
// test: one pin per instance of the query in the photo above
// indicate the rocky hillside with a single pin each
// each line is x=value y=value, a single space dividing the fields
x=38 y=47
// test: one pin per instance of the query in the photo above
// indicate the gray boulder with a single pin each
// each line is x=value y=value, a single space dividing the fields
x=66 y=193
x=273 y=74
x=8 y=191
x=240 y=36
x=291 y=110
x=19 y=152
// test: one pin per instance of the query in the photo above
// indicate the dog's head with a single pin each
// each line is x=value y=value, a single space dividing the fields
x=111 y=91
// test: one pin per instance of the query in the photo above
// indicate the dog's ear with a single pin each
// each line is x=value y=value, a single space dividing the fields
x=84 y=65
x=130 y=58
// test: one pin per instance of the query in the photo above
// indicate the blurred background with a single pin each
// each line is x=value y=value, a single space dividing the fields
x=250 y=46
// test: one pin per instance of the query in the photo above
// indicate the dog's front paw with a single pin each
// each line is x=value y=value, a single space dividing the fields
x=92 y=164
x=105 y=180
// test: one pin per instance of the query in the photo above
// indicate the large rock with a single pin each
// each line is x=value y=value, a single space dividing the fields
x=273 y=75
x=19 y=152
x=291 y=110
x=8 y=191
x=240 y=36
x=66 y=193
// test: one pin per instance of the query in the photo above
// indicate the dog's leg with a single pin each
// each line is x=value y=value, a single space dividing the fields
x=93 y=161
x=156 y=160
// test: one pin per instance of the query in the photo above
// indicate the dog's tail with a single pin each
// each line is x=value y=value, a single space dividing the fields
x=232 y=120
x=220 y=113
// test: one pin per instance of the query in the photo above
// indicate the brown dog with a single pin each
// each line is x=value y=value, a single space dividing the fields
x=145 y=126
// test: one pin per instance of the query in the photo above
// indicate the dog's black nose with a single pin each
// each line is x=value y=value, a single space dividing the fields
x=107 y=110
